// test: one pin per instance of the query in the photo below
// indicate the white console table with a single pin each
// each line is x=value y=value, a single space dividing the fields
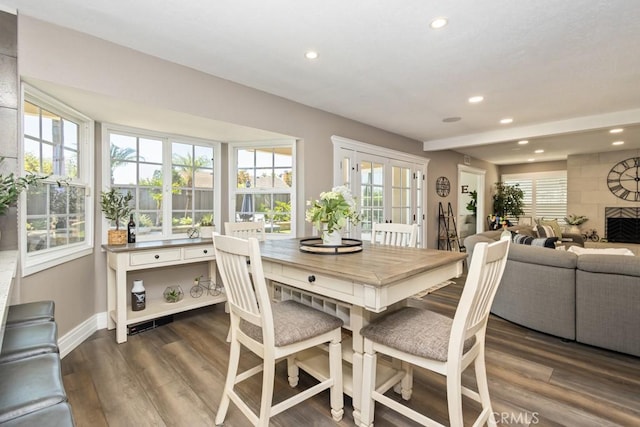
x=154 y=254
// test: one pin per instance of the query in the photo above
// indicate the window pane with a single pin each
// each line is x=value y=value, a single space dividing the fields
x=264 y=158
x=205 y=155
x=70 y=164
x=31 y=120
x=47 y=158
x=31 y=155
x=37 y=201
x=51 y=127
x=150 y=174
x=123 y=174
x=70 y=134
x=283 y=157
x=245 y=159
x=245 y=178
x=151 y=150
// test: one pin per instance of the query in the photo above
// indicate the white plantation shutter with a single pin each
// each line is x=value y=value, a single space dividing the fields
x=545 y=193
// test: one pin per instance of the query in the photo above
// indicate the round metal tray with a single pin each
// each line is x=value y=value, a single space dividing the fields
x=314 y=245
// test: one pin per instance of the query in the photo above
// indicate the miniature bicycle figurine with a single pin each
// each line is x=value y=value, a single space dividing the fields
x=200 y=285
x=591 y=234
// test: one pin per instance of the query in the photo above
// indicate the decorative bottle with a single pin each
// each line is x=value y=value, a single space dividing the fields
x=138 y=296
x=131 y=230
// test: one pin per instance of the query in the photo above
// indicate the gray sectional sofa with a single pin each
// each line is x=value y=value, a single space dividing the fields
x=593 y=299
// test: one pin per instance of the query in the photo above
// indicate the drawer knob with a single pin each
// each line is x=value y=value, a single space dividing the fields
x=157 y=256
x=311 y=278
x=206 y=251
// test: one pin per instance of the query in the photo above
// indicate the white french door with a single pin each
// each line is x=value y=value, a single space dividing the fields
x=388 y=189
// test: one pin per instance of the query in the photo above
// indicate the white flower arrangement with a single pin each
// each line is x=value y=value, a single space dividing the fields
x=334 y=209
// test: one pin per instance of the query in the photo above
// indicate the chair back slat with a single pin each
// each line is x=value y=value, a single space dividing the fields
x=392 y=234
x=245 y=230
x=485 y=273
x=244 y=281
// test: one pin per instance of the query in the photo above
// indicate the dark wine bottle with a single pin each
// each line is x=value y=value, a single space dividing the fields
x=131 y=230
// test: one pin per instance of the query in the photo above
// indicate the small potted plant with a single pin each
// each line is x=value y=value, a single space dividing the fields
x=574 y=221
x=207 y=226
x=173 y=294
x=115 y=206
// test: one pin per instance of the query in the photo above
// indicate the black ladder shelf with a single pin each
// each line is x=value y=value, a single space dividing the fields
x=447 y=231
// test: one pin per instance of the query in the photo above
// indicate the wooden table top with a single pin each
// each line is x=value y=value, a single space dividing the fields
x=375 y=265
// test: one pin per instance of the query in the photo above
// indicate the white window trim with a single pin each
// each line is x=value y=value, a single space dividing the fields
x=233 y=176
x=166 y=172
x=39 y=261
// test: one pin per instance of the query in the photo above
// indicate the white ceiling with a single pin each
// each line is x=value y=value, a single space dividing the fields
x=558 y=68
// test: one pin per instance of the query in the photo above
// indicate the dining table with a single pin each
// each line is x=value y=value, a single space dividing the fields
x=356 y=286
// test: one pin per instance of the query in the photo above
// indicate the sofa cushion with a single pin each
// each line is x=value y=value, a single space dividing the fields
x=611 y=264
x=538 y=256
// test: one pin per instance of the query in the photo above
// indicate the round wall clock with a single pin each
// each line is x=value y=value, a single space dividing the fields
x=443 y=186
x=624 y=179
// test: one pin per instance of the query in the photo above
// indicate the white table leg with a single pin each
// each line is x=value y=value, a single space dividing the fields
x=358 y=320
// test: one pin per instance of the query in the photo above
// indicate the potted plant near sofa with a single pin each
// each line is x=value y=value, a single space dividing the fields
x=507 y=202
x=115 y=206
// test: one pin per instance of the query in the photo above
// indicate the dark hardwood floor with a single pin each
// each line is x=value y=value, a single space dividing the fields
x=173 y=376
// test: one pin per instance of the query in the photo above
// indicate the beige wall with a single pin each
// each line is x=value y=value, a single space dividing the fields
x=533 y=167
x=588 y=193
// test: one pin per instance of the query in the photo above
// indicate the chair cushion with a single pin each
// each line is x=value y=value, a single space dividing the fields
x=28 y=340
x=30 y=384
x=294 y=322
x=59 y=415
x=415 y=331
x=31 y=312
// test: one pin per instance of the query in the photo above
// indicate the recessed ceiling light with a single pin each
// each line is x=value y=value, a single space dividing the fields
x=452 y=119
x=438 y=23
x=616 y=130
x=617 y=143
x=539 y=151
x=312 y=54
x=476 y=99
x=523 y=142
x=506 y=121
x=531 y=160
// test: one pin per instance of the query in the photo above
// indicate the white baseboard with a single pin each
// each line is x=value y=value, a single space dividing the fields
x=80 y=333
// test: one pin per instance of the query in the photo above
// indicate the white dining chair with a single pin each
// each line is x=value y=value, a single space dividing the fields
x=272 y=332
x=435 y=342
x=244 y=230
x=394 y=234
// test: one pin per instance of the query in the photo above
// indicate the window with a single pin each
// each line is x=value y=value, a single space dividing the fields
x=264 y=177
x=172 y=180
x=545 y=193
x=58 y=219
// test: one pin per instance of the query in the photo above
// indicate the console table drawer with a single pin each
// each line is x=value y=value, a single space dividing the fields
x=204 y=251
x=155 y=257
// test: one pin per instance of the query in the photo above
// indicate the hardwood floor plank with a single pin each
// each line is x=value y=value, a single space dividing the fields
x=173 y=375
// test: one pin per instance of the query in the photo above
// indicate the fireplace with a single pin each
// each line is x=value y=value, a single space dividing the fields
x=622 y=225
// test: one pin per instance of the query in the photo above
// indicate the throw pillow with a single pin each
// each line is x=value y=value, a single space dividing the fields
x=557 y=231
x=546 y=231
x=549 y=242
